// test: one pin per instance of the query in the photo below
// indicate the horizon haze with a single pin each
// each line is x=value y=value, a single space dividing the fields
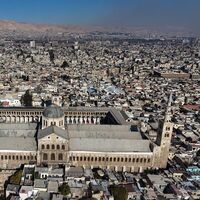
x=155 y=14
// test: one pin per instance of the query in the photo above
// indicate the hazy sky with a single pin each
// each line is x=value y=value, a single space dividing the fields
x=107 y=12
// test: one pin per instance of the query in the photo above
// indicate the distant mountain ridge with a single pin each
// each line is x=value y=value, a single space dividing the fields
x=22 y=26
x=6 y=25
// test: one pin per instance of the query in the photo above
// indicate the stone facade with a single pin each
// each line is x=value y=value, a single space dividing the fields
x=14 y=159
x=52 y=149
x=53 y=143
x=116 y=161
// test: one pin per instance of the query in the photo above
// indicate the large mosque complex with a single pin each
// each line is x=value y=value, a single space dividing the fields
x=87 y=137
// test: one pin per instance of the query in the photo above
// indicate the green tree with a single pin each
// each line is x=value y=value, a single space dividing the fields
x=198 y=153
x=2 y=197
x=119 y=192
x=64 y=189
x=27 y=99
x=51 y=55
x=64 y=64
x=88 y=198
x=16 y=178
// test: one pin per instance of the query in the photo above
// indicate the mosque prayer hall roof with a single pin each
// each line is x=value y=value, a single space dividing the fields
x=109 y=145
x=52 y=129
x=17 y=137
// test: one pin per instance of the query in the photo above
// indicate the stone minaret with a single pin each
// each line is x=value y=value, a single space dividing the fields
x=164 y=137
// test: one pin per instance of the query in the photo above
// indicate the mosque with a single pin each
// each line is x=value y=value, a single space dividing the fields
x=87 y=137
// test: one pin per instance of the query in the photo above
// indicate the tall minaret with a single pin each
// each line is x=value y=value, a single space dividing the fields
x=165 y=135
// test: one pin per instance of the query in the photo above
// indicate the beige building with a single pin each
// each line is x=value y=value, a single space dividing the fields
x=80 y=137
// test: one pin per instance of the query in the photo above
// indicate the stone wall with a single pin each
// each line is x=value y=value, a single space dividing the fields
x=119 y=162
x=13 y=160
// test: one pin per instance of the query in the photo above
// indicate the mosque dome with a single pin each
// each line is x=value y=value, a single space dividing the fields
x=53 y=111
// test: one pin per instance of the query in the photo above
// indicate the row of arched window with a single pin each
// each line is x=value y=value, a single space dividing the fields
x=20 y=113
x=52 y=156
x=48 y=146
x=52 y=123
x=18 y=157
x=109 y=159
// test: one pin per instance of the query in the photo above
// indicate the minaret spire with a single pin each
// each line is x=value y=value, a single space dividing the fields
x=164 y=136
x=168 y=109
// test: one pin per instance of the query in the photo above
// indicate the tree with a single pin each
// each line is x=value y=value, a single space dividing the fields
x=16 y=178
x=88 y=198
x=2 y=197
x=119 y=192
x=198 y=153
x=64 y=189
x=51 y=55
x=64 y=64
x=27 y=99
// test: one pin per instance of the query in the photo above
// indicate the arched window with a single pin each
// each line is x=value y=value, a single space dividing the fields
x=17 y=158
x=47 y=146
x=60 y=156
x=52 y=156
x=24 y=157
x=63 y=147
x=166 y=134
x=52 y=146
x=45 y=156
x=42 y=146
x=20 y=157
x=58 y=146
x=2 y=157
